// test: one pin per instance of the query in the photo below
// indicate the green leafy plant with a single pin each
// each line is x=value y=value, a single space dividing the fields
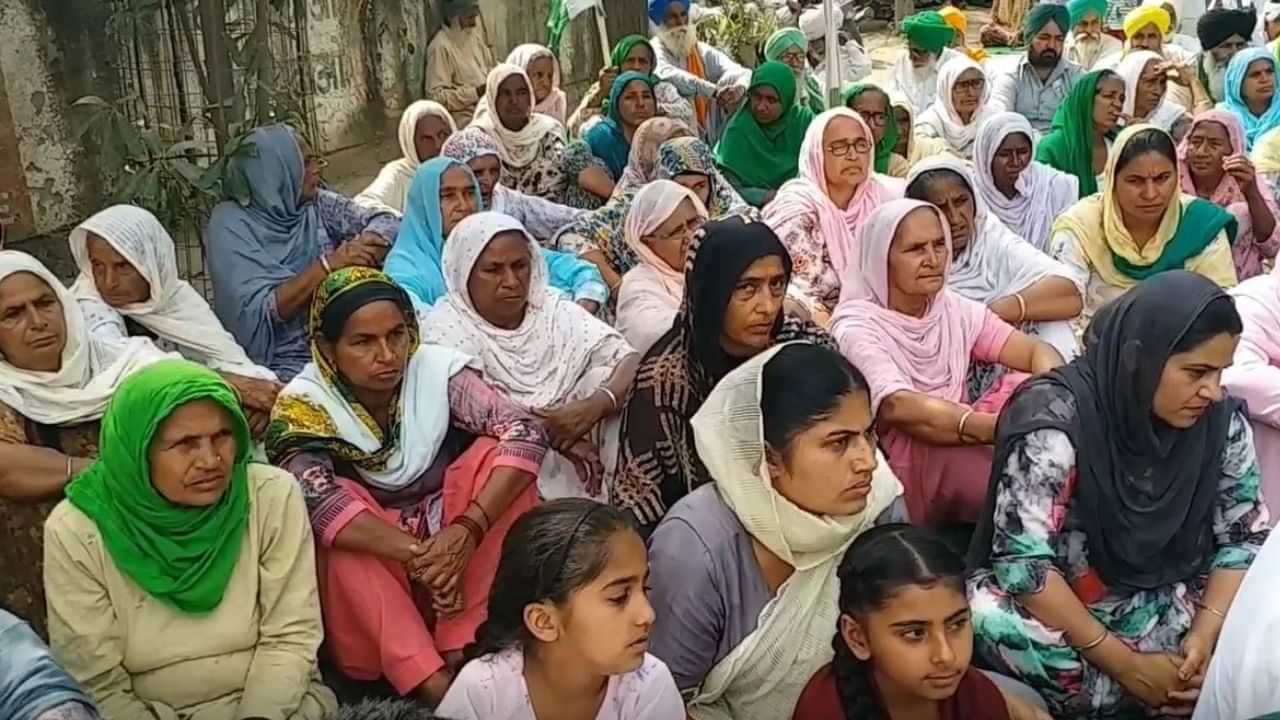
x=742 y=28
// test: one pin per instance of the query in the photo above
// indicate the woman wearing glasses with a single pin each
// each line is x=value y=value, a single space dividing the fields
x=815 y=214
x=955 y=115
x=663 y=218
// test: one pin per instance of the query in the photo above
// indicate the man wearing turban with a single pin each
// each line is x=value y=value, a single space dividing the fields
x=1223 y=33
x=955 y=17
x=1044 y=76
x=915 y=72
x=706 y=77
x=1087 y=43
x=855 y=64
x=458 y=60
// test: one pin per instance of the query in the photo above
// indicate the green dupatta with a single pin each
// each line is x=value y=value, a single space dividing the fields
x=884 y=148
x=761 y=156
x=1069 y=145
x=1199 y=226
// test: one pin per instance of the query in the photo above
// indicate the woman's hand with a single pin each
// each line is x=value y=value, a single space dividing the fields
x=255 y=394
x=1241 y=169
x=590 y=306
x=1151 y=677
x=569 y=422
x=364 y=250
x=729 y=97
x=439 y=565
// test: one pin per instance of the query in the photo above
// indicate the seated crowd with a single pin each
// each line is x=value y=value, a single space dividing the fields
x=955 y=398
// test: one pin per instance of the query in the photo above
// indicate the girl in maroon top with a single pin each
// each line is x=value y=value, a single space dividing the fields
x=903 y=641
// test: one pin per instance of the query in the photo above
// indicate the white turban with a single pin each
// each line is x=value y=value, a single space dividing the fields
x=813 y=23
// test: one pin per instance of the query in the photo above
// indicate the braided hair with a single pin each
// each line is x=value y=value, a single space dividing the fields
x=881 y=562
x=552 y=550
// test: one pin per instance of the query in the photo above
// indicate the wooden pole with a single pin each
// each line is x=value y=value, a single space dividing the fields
x=605 y=48
x=833 y=54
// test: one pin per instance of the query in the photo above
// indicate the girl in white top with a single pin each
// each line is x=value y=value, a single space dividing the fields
x=568 y=628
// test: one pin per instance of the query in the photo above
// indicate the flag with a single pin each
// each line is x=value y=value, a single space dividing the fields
x=562 y=13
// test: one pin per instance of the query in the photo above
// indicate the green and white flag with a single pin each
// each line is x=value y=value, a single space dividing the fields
x=562 y=13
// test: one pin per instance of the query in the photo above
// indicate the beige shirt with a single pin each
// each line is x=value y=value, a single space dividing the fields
x=140 y=659
x=458 y=64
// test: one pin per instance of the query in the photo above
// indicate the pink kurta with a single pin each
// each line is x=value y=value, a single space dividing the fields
x=1255 y=375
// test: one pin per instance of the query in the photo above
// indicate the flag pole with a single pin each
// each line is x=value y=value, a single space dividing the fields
x=605 y=49
x=833 y=54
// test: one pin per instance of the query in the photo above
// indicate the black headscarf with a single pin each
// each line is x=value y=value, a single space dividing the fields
x=1215 y=26
x=1145 y=491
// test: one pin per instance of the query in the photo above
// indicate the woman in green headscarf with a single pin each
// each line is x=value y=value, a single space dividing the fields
x=760 y=149
x=872 y=103
x=181 y=577
x=1080 y=139
x=632 y=54
x=790 y=47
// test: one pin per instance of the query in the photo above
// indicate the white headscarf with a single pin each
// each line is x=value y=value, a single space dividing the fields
x=653 y=206
x=941 y=118
x=518 y=148
x=1166 y=113
x=391 y=187
x=91 y=369
x=919 y=87
x=539 y=363
x=996 y=263
x=1043 y=192
x=764 y=675
x=175 y=312
x=555 y=104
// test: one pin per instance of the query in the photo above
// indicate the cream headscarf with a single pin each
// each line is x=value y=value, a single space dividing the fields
x=518 y=148
x=652 y=207
x=1098 y=226
x=175 y=312
x=391 y=188
x=1166 y=113
x=764 y=675
x=941 y=118
x=91 y=369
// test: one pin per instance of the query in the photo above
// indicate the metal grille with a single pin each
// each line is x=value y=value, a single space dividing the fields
x=162 y=77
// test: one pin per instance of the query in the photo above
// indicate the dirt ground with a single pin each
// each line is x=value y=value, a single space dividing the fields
x=351 y=170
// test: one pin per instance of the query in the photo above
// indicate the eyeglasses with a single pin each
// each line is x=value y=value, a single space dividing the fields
x=971 y=85
x=685 y=231
x=843 y=148
x=874 y=118
x=793 y=57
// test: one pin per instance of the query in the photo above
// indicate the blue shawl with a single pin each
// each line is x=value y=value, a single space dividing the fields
x=415 y=262
x=606 y=138
x=1254 y=126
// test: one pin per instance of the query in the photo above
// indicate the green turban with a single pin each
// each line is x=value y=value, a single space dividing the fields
x=928 y=31
x=1079 y=9
x=626 y=45
x=1041 y=15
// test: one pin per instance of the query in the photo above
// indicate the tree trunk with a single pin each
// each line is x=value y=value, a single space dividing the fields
x=221 y=88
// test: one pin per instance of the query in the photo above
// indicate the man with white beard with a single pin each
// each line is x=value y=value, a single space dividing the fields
x=1087 y=43
x=1223 y=33
x=705 y=76
x=914 y=76
x=458 y=61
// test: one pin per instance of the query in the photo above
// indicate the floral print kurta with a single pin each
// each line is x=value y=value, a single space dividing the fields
x=814 y=281
x=1038 y=531
x=543 y=177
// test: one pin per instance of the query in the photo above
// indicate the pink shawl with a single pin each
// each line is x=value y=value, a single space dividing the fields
x=653 y=206
x=807 y=195
x=895 y=351
x=1248 y=251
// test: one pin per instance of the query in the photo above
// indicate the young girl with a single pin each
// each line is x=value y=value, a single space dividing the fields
x=568 y=628
x=904 y=641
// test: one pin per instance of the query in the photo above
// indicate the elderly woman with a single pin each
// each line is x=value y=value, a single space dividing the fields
x=663 y=220
x=1024 y=193
x=816 y=214
x=1146 y=96
x=1080 y=141
x=735 y=280
x=1251 y=92
x=875 y=108
x=267 y=256
x=1101 y=590
x=1254 y=376
x=425 y=126
x=911 y=147
x=542 y=218
x=790 y=47
x=915 y=340
x=129 y=285
x=632 y=54
x=444 y=194
x=1213 y=165
x=55 y=381
x=1141 y=225
x=743 y=569
x=542 y=68
x=992 y=265
x=955 y=115
x=533 y=345
x=221 y=624
x=759 y=149
x=409 y=511
x=532 y=146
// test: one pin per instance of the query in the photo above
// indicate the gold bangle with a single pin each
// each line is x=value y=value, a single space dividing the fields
x=963 y=419
x=1212 y=610
x=1022 y=307
x=1101 y=639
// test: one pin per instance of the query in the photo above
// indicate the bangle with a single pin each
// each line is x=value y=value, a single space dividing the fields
x=1101 y=639
x=68 y=468
x=471 y=526
x=613 y=399
x=324 y=263
x=1022 y=307
x=960 y=427
x=1212 y=610
x=483 y=513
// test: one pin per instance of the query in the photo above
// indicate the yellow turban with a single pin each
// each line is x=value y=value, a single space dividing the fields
x=1145 y=15
x=955 y=18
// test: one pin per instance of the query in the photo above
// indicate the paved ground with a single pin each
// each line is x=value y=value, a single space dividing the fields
x=351 y=170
